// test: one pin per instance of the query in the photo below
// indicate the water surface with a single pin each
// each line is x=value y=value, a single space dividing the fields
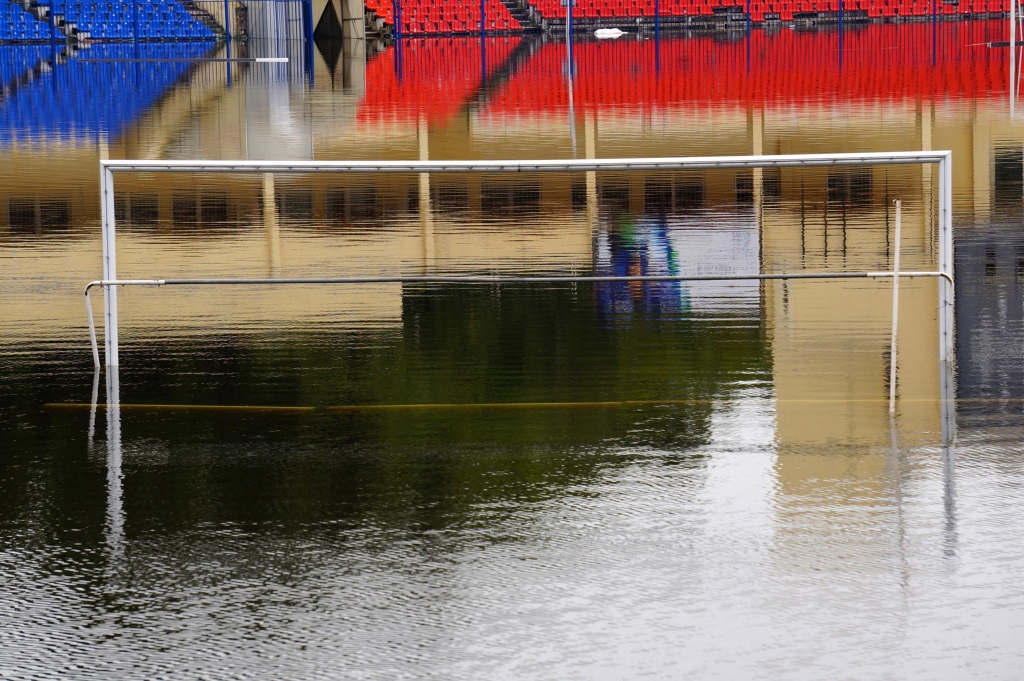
x=516 y=481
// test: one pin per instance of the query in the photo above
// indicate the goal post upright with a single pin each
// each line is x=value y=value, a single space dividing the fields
x=107 y=215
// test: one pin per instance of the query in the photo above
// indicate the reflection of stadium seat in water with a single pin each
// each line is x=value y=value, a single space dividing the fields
x=436 y=79
x=81 y=100
x=20 y=64
x=888 y=62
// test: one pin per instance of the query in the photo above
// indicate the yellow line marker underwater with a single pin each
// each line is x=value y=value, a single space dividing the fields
x=467 y=405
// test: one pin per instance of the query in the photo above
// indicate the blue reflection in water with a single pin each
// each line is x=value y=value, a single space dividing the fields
x=74 y=97
x=638 y=247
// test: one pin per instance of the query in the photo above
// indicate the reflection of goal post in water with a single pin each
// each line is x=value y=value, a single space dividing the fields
x=944 y=273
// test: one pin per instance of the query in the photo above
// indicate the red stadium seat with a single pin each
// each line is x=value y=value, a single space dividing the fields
x=460 y=16
x=450 y=16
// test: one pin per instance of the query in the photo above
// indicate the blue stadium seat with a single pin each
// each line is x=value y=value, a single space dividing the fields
x=18 y=25
x=157 y=20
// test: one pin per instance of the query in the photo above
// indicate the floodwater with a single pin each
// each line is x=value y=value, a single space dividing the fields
x=528 y=480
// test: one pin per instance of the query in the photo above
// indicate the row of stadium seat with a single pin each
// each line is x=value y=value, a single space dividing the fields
x=449 y=16
x=785 y=69
x=17 y=25
x=786 y=10
x=155 y=19
x=435 y=78
x=454 y=16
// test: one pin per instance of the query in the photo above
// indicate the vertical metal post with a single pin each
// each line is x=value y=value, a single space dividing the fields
x=657 y=17
x=483 y=19
x=657 y=46
x=935 y=31
x=841 y=12
x=109 y=265
x=92 y=405
x=270 y=224
x=569 y=74
x=307 y=20
x=746 y=39
x=135 y=21
x=227 y=21
x=1013 y=54
x=398 y=24
x=946 y=292
x=398 y=50
x=895 y=309
x=426 y=215
x=53 y=27
x=568 y=24
x=947 y=350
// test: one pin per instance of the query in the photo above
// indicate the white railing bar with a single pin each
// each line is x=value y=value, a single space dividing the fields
x=471 y=279
x=499 y=279
x=529 y=166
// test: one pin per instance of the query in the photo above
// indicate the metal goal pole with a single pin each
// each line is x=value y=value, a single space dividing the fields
x=944 y=274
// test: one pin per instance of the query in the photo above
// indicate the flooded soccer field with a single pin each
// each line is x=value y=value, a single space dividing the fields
x=518 y=480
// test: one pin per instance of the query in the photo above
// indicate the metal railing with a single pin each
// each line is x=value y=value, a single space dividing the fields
x=944 y=273
x=493 y=280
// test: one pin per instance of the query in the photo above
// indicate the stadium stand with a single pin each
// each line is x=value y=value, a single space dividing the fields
x=170 y=19
x=435 y=78
x=80 y=99
x=18 y=25
x=454 y=16
x=115 y=20
x=105 y=20
x=785 y=69
x=450 y=16
x=459 y=16
x=764 y=10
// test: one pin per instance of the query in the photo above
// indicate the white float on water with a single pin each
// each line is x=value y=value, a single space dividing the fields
x=603 y=33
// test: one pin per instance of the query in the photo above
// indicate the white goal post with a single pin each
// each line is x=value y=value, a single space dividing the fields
x=943 y=275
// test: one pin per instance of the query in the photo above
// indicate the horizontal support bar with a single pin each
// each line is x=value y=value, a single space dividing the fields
x=504 y=279
x=543 y=165
x=476 y=280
